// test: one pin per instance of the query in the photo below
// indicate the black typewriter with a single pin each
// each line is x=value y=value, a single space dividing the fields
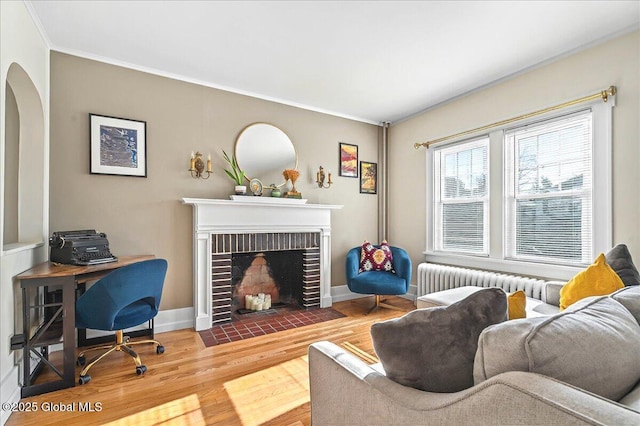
x=84 y=247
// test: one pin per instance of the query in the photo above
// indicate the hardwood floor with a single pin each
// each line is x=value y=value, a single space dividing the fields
x=262 y=380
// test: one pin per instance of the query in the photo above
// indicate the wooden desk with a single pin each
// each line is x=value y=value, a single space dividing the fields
x=60 y=327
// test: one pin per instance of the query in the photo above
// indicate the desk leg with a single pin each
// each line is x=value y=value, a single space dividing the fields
x=69 y=330
x=82 y=332
x=26 y=355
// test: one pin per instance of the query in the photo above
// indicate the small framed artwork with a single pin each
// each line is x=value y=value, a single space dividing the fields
x=348 y=160
x=368 y=177
x=118 y=146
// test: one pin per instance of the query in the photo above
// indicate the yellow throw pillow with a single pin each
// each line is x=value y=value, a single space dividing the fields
x=597 y=280
x=517 y=303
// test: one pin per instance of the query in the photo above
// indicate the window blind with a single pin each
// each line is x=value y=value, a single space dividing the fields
x=461 y=197
x=549 y=190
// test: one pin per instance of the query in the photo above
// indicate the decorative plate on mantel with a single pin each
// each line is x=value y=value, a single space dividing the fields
x=267 y=200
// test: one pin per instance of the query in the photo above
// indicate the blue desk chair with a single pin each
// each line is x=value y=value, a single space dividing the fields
x=379 y=283
x=124 y=298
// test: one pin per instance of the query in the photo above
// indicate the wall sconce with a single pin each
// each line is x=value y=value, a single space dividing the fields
x=196 y=166
x=320 y=178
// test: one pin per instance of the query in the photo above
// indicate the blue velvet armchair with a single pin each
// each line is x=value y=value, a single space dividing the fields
x=379 y=283
x=124 y=298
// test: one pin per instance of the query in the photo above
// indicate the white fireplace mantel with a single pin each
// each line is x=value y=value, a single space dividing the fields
x=253 y=215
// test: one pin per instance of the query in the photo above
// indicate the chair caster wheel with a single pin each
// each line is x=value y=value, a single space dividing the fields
x=160 y=349
x=84 y=379
x=141 y=370
x=81 y=361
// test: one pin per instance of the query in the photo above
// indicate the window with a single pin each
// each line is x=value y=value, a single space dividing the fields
x=533 y=198
x=462 y=197
x=549 y=191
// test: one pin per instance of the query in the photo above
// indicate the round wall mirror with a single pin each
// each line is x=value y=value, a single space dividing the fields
x=263 y=151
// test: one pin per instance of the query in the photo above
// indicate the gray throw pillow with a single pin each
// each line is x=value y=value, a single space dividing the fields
x=594 y=344
x=433 y=349
x=620 y=261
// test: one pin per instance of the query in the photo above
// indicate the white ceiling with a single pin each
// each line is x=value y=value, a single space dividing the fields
x=368 y=60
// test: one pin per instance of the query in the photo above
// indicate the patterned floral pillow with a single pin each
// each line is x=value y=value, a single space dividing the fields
x=373 y=258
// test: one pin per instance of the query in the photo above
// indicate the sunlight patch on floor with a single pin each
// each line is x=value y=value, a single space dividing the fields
x=267 y=394
x=183 y=411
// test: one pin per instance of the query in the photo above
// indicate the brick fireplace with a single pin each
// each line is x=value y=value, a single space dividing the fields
x=254 y=225
x=225 y=246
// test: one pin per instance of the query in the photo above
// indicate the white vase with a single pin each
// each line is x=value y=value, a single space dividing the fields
x=240 y=189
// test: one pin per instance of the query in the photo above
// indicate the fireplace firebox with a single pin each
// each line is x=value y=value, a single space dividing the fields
x=285 y=265
x=277 y=274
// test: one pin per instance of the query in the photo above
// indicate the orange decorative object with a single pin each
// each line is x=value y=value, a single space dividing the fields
x=292 y=175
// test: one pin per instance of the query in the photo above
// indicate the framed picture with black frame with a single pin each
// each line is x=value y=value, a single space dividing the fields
x=348 y=160
x=368 y=177
x=118 y=146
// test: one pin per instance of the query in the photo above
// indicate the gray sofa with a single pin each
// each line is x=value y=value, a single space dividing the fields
x=510 y=387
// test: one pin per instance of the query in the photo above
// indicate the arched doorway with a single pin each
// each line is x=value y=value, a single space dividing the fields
x=24 y=168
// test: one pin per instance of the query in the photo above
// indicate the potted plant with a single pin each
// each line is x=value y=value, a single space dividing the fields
x=236 y=174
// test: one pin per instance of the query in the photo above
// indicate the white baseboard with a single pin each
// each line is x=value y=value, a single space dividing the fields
x=341 y=293
x=10 y=391
x=174 y=319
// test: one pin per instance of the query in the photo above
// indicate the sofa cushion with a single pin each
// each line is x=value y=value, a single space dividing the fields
x=620 y=261
x=433 y=349
x=536 y=308
x=630 y=299
x=594 y=345
x=598 y=279
x=446 y=297
x=632 y=399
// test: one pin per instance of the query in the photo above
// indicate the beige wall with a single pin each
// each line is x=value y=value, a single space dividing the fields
x=613 y=63
x=144 y=215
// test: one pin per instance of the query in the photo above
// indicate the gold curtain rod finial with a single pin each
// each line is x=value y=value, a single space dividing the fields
x=611 y=91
